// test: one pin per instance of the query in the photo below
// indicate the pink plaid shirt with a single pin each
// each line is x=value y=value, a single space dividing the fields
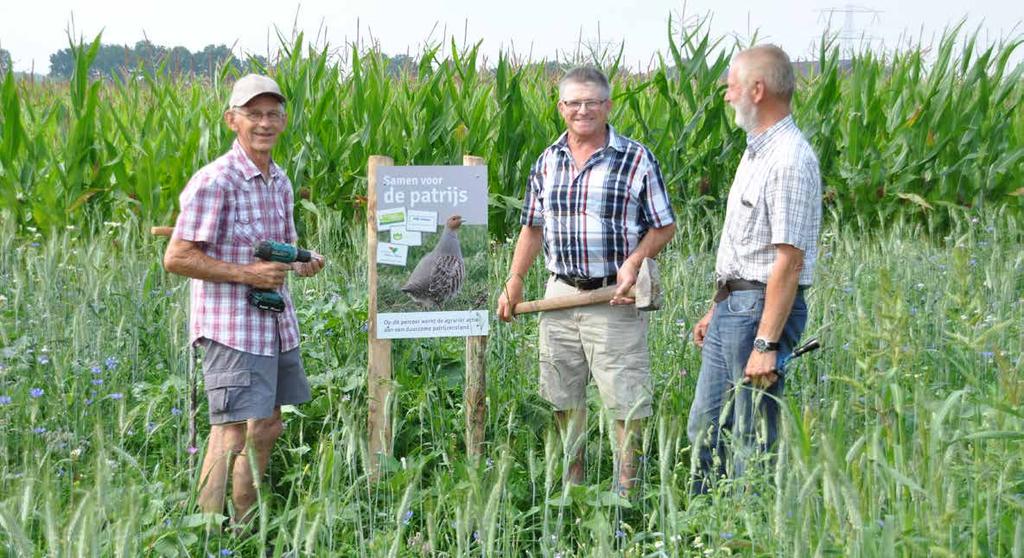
x=227 y=208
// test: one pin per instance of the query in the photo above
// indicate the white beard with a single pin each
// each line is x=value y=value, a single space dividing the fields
x=746 y=114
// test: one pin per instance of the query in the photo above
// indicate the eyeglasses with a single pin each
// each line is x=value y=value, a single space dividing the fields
x=256 y=117
x=578 y=105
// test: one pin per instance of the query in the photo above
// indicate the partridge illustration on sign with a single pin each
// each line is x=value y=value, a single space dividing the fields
x=438 y=277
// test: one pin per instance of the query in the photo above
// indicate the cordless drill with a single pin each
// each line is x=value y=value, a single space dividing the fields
x=268 y=250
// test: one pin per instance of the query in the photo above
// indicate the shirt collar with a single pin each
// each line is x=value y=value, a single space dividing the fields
x=249 y=169
x=615 y=141
x=757 y=142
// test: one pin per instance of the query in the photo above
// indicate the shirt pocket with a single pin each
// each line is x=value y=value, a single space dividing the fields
x=248 y=222
x=749 y=208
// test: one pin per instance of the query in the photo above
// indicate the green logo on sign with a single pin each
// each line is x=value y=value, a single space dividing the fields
x=392 y=218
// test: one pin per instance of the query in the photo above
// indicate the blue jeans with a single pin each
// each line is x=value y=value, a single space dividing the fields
x=728 y=419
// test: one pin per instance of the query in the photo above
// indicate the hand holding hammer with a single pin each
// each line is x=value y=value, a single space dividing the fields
x=646 y=293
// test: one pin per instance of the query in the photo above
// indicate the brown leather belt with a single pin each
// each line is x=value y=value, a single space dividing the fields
x=587 y=283
x=726 y=287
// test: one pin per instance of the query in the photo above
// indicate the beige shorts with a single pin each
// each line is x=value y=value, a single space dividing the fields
x=608 y=343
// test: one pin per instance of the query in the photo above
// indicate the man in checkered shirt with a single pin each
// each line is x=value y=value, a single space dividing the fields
x=597 y=204
x=251 y=362
x=765 y=261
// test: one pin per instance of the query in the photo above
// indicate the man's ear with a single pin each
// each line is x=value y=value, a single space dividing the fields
x=760 y=92
x=229 y=119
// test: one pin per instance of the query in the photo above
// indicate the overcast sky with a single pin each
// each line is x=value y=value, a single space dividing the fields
x=32 y=30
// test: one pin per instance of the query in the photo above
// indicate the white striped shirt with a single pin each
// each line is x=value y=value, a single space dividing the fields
x=775 y=198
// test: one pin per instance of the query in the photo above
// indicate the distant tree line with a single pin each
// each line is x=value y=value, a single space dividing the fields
x=5 y=61
x=116 y=60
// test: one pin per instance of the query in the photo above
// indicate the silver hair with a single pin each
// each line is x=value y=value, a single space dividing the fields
x=771 y=65
x=585 y=74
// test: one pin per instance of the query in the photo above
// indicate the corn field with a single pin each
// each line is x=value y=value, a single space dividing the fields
x=903 y=132
x=903 y=436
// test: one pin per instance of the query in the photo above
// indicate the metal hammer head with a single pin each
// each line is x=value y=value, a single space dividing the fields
x=648 y=286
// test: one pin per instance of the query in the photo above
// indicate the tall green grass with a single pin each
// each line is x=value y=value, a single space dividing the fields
x=902 y=437
x=905 y=132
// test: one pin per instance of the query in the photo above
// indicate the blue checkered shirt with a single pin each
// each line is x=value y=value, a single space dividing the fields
x=593 y=218
x=775 y=198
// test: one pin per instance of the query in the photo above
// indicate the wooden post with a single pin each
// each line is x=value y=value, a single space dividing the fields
x=475 y=395
x=379 y=355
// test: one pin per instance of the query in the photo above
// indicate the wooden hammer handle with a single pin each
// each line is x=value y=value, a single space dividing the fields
x=161 y=231
x=596 y=296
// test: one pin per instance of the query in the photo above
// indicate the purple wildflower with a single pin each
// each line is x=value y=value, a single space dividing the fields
x=620 y=534
x=44 y=359
x=36 y=392
x=97 y=381
x=727 y=535
x=226 y=552
x=116 y=396
x=192 y=450
x=175 y=411
x=39 y=430
x=406 y=517
x=96 y=369
x=111 y=363
x=5 y=399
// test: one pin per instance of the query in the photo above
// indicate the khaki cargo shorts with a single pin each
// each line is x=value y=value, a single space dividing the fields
x=242 y=386
x=608 y=343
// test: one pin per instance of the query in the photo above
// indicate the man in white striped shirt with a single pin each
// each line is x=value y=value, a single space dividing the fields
x=765 y=261
x=596 y=202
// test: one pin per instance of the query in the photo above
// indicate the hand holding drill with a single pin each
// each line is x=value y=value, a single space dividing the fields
x=270 y=273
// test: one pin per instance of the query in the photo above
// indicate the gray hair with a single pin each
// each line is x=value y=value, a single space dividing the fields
x=585 y=74
x=771 y=65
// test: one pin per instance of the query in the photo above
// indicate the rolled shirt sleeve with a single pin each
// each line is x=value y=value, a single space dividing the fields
x=655 y=207
x=533 y=204
x=791 y=192
x=202 y=204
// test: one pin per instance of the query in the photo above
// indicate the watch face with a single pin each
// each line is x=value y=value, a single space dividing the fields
x=760 y=345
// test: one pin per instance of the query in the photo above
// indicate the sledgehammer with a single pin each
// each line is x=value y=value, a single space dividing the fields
x=646 y=291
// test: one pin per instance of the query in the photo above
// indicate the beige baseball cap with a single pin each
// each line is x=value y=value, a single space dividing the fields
x=249 y=87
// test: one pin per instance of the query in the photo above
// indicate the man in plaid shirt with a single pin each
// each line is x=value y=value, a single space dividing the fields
x=597 y=204
x=765 y=261
x=251 y=362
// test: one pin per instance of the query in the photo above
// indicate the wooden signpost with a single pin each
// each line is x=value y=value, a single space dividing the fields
x=381 y=400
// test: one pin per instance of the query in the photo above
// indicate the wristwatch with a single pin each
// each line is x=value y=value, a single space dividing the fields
x=763 y=345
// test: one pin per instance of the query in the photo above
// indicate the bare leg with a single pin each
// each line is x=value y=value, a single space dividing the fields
x=260 y=440
x=226 y=441
x=627 y=436
x=572 y=426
